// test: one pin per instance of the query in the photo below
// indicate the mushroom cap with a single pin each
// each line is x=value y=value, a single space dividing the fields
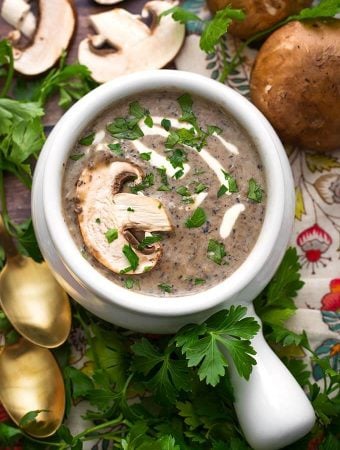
x=53 y=34
x=135 y=46
x=295 y=82
x=260 y=14
x=98 y=197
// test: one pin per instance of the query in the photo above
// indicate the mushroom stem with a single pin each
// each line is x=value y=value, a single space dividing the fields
x=18 y=14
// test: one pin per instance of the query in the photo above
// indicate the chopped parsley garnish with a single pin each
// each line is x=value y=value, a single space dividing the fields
x=77 y=156
x=197 y=219
x=200 y=188
x=164 y=188
x=232 y=184
x=111 y=235
x=178 y=158
x=178 y=174
x=199 y=281
x=98 y=220
x=87 y=140
x=185 y=102
x=213 y=129
x=162 y=173
x=165 y=287
x=132 y=257
x=166 y=124
x=116 y=149
x=129 y=283
x=222 y=190
x=187 y=200
x=149 y=240
x=147 y=181
x=148 y=121
x=130 y=209
x=147 y=268
x=216 y=252
x=255 y=192
x=198 y=172
x=122 y=128
x=145 y=156
x=184 y=191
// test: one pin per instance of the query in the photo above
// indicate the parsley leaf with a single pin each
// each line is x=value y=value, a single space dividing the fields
x=149 y=240
x=129 y=283
x=181 y=15
x=204 y=345
x=255 y=192
x=325 y=9
x=77 y=156
x=218 y=26
x=122 y=128
x=166 y=124
x=168 y=375
x=184 y=191
x=165 y=287
x=147 y=182
x=111 y=235
x=200 y=187
x=197 y=219
x=88 y=139
x=145 y=156
x=232 y=184
x=116 y=149
x=131 y=256
x=178 y=158
x=216 y=252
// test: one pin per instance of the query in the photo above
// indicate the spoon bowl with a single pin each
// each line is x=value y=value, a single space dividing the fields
x=31 y=298
x=30 y=380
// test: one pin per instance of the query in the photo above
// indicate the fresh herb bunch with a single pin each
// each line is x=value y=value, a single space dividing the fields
x=21 y=128
x=174 y=392
x=215 y=29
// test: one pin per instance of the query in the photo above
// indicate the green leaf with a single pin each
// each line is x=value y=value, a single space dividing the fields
x=149 y=240
x=129 y=283
x=285 y=337
x=166 y=124
x=116 y=149
x=135 y=109
x=181 y=15
x=165 y=287
x=178 y=158
x=167 y=375
x=325 y=9
x=88 y=139
x=218 y=26
x=122 y=128
x=148 y=181
x=204 y=345
x=183 y=191
x=131 y=256
x=79 y=382
x=216 y=252
x=255 y=192
x=77 y=156
x=111 y=235
x=148 y=121
x=145 y=156
x=27 y=241
x=231 y=182
x=222 y=190
x=197 y=219
x=299 y=370
x=30 y=417
x=200 y=187
x=8 y=434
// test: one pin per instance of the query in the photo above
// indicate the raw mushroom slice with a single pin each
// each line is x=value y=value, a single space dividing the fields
x=18 y=14
x=54 y=31
x=102 y=208
x=135 y=46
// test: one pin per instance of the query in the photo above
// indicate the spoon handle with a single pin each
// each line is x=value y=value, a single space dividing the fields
x=6 y=241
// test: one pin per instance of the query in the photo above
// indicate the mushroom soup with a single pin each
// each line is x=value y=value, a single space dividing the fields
x=164 y=194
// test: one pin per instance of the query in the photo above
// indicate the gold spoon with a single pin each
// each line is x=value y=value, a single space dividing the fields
x=31 y=298
x=30 y=380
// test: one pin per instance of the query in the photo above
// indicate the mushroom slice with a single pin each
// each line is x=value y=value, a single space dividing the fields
x=102 y=209
x=135 y=46
x=18 y=14
x=53 y=33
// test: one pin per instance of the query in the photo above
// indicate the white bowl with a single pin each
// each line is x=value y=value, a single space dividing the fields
x=165 y=315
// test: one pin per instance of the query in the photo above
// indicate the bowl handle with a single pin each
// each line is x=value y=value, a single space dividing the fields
x=272 y=408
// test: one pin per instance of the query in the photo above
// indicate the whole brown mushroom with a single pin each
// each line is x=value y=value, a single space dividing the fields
x=260 y=14
x=295 y=82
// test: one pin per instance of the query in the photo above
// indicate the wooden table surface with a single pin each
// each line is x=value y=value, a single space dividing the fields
x=18 y=197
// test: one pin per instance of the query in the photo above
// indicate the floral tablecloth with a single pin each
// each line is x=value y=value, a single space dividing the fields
x=317 y=220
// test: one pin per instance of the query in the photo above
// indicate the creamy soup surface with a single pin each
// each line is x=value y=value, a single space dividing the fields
x=214 y=196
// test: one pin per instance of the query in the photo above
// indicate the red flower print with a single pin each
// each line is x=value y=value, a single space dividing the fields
x=331 y=301
x=314 y=242
x=314 y=443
